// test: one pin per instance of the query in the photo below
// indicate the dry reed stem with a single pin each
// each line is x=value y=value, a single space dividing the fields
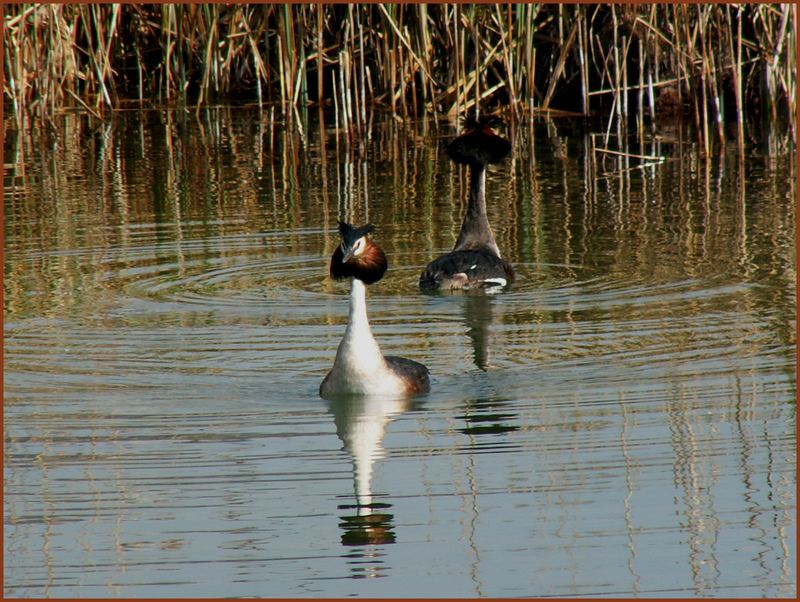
x=426 y=58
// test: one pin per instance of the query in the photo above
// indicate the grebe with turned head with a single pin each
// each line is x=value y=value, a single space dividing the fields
x=475 y=260
x=360 y=368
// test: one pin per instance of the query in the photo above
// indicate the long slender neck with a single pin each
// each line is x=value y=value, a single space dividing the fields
x=475 y=230
x=358 y=344
x=357 y=320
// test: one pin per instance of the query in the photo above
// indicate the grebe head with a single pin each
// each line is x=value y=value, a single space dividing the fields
x=358 y=256
x=479 y=144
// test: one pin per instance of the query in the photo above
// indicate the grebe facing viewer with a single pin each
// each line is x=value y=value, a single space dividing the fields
x=360 y=368
x=475 y=260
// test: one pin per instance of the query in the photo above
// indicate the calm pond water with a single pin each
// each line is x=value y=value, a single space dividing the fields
x=620 y=423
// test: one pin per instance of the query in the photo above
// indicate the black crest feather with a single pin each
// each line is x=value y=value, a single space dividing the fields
x=350 y=234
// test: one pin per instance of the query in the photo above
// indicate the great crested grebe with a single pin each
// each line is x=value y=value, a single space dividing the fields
x=475 y=260
x=360 y=368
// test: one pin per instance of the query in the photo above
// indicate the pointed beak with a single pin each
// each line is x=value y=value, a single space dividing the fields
x=348 y=253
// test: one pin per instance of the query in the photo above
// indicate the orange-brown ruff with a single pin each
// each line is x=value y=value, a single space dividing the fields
x=360 y=368
x=475 y=260
x=369 y=266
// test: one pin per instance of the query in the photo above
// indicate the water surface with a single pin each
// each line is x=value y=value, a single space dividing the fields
x=620 y=423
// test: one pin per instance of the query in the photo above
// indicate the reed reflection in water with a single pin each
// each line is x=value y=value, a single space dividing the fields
x=620 y=422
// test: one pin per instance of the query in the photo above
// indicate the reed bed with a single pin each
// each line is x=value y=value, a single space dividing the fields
x=718 y=65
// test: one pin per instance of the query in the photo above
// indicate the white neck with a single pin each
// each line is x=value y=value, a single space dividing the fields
x=358 y=330
x=359 y=353
x=359 y=367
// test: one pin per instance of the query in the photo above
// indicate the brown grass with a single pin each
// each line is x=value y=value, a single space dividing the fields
x=713 y=64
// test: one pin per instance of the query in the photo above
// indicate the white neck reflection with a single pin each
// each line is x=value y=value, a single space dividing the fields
x=361 y=425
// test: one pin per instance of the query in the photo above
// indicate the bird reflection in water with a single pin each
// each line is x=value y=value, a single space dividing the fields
x=481 y=415
x=361 y=425
x=478 y=318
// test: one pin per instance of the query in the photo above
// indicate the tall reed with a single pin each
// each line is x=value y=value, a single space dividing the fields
x=712 y=63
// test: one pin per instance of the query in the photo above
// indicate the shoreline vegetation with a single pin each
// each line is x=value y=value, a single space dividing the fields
x=724 y=68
